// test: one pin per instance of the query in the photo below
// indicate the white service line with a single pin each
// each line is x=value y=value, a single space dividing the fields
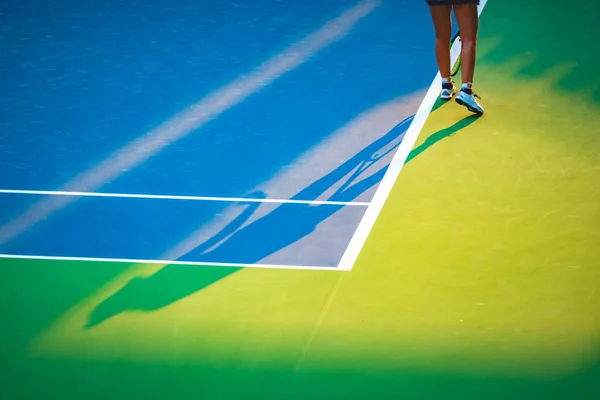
x=387 y=183
x=166 y=262
x=188 y=198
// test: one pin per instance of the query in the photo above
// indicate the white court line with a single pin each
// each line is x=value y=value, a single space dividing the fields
x=387 y=183
x=165 y=262
x=193 y=118
x=188 y=198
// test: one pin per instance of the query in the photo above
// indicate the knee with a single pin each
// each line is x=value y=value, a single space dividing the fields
x=468 y=43
x=442 y=38
x=442 y=42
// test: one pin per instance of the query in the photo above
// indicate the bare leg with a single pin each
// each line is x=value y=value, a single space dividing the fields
x=442 y=24
x=468 y=24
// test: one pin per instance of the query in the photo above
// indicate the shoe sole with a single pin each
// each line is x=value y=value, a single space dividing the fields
x=470 y=108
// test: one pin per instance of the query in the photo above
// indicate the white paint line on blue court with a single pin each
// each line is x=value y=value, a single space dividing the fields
x=183 y=198
x=387 y=183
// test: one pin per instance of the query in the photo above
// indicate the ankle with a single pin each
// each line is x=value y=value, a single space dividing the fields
x=467 y=87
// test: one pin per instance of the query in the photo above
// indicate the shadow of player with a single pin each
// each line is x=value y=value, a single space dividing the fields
x=292 y=221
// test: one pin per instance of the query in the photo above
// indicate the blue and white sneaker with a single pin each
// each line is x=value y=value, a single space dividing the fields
x=448 y=90
x=467 y=98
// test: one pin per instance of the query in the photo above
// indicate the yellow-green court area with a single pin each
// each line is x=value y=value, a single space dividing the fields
x=480 y=278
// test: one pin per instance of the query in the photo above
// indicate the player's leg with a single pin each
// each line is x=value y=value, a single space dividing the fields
x=468 y=25
x=442 y=23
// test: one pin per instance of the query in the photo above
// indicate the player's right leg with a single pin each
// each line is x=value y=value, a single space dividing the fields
x=468 y=24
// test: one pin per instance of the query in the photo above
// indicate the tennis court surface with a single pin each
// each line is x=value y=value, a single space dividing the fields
x=266 y=200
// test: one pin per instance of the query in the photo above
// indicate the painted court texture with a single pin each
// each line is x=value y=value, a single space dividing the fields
x=265 y=200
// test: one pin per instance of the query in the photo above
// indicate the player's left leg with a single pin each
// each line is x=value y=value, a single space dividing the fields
x=442 y=23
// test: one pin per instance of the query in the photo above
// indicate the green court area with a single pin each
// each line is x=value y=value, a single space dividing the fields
x=480 y=279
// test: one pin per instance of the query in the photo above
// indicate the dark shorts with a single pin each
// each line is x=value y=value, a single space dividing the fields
x=450 y=2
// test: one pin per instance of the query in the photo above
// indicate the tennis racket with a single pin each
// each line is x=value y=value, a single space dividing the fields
x=456 y=66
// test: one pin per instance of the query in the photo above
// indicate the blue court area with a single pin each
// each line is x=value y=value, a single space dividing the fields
x=266 y=125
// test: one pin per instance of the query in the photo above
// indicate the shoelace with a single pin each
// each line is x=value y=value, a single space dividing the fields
x=473 y=94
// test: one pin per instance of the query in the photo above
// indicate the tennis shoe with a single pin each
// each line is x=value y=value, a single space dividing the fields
x=467 y=98
x=448 y=90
